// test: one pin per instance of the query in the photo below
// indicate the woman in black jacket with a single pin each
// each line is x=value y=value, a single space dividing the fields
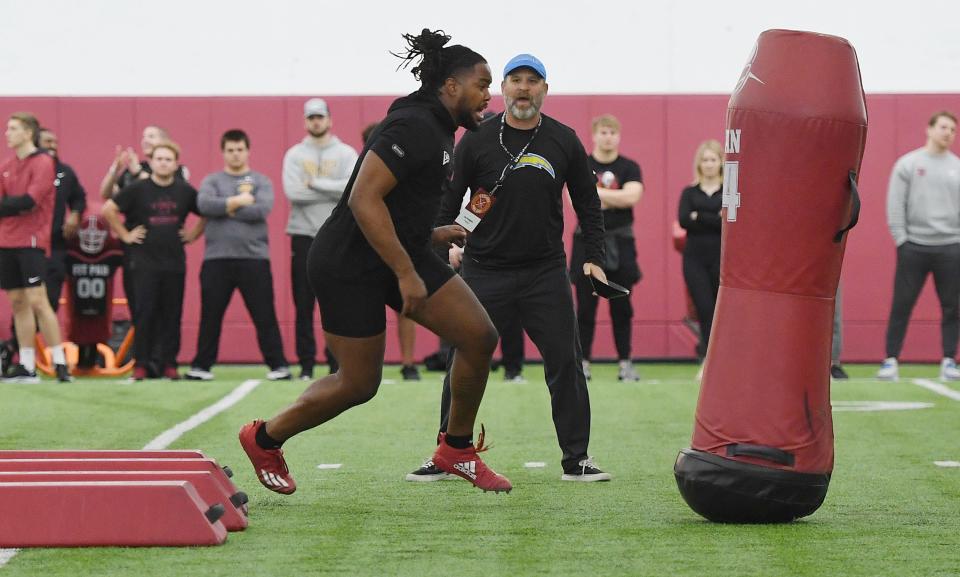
x=700 y=205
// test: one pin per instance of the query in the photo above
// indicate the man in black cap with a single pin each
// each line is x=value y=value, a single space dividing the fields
x=516 y=166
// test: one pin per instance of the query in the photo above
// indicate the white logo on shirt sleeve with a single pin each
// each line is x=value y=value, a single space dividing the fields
x=397 y=150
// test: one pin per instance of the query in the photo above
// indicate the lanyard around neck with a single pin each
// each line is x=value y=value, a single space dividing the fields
x=514 y=160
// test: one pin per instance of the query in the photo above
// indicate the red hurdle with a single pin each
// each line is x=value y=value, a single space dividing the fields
x=107 y=513
x=234 y=516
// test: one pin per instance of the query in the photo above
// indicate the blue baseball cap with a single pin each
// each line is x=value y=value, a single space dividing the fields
x=528 y=60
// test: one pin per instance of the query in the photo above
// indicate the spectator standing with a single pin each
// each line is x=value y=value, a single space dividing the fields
x=27 y=198
x=923 y=213
x=315 y=173
x=70 y=203
x=620 y=187
x=699 y=214
x=156 y=210
x=126 y=169
x=236 y=202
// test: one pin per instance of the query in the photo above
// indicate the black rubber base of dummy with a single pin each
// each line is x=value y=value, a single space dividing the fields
x=727 y=491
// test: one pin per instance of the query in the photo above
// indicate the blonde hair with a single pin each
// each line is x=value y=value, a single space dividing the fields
x=29 y=122
x=605 y=121
x=169 y=145
x=713 y=146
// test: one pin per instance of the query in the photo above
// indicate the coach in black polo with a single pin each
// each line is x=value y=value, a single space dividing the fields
x=515 y=167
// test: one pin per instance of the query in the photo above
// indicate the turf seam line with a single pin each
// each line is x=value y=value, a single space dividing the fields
x=168 y=437
x=938 y=388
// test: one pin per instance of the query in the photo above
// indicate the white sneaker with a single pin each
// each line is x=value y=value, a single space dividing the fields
x=627 y=372
x=949 y=370
x=889 y=370
x=195 y=374
x=279 y=374
x=586 y=370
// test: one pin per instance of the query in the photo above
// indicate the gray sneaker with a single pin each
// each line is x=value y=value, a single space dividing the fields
x=586 y=471
x=428 y=472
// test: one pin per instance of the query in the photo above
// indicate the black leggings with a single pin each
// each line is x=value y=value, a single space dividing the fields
x=701 y=272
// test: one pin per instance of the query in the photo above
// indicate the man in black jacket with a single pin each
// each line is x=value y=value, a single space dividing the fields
x=70 y=204
x=516 y=166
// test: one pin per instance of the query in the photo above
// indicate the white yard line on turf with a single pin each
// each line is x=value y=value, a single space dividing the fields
x=167 y=438
x=6 y=555
x=938 y=388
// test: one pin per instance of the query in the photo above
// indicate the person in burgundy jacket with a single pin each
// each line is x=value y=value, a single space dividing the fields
x=27 y=196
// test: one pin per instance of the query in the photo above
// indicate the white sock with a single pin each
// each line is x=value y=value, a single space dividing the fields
x=28 y=358
x=59 y=358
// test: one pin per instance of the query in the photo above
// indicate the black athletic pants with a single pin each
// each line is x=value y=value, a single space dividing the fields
x=623 y=269
x=621 y=316
x=56 y=274
x=914 y=263
x=305 y=303
x=159 y=310
x=219 y=278
x=540 y=297
x=511 y=346
x=701 y=272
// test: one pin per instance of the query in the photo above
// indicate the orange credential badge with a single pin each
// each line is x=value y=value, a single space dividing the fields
x=470 y=215
x=481 y=202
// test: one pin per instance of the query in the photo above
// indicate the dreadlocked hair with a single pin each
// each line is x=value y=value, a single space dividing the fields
x=437 y=61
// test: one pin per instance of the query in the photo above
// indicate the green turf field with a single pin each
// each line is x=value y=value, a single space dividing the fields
x=890 y=510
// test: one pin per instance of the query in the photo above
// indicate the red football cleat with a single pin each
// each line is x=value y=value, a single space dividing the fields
x=269 y=465
x=466 y=464
x=171 y=373
x=139 y=373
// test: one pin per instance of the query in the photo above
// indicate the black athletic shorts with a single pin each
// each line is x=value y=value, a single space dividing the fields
x=354 y=307
x=22 y=267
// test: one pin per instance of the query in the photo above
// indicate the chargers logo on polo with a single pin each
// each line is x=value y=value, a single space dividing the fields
x=536 y=161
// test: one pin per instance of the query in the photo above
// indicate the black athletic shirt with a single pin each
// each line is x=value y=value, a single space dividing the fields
x=525 y=224
x=614 y=175
x=70 y=196
x=162 y=210
x=415 y=141
x=707 y=227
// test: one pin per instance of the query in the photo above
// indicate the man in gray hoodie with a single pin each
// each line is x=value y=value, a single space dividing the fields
x=236 y=202
x=315 y=172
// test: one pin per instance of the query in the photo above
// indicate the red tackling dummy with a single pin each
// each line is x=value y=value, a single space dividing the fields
x=762 y=447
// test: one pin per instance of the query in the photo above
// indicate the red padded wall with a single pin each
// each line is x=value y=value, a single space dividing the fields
x=660 y=132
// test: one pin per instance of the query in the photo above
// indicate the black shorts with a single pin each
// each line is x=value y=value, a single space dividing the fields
x=354 y=307
x=22 y=267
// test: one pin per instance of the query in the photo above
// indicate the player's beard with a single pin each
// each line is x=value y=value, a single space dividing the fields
x=467 y=119
x=319 y=133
